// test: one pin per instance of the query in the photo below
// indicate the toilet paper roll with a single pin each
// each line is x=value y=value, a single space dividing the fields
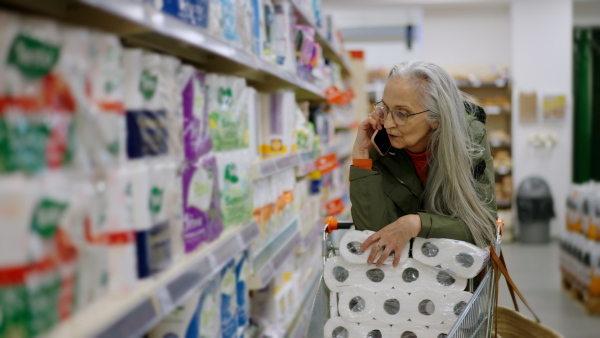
x=391 y=307
x=424 y=307
x=409 y=331
x=414 y=275
x=337 y=274
x=357 y=306
x=462 y=258
x=333 y=305
x=350 y=248
x=438 y=331
x=337 y=327
x=454 y=305
x=375 y=330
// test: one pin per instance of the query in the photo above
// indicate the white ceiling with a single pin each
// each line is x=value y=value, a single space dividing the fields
x=335 y=4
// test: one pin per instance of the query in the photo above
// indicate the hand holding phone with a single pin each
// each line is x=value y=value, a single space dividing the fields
x=381 y=141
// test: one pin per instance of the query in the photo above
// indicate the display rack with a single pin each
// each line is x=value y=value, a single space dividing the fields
x=134 y=314
x=142 y=25
x=269 y=259
x=329 y=52
x=300 y=323
x=154 y=298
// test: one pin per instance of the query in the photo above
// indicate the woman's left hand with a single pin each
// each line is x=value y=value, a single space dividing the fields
x=392 y=238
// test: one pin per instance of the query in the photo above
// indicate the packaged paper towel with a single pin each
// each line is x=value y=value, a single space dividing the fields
x=242 y=273
x=147 y=123
x=228 y=111
x=357 y=305
x=426 y=307
x=235 y=184
x=462 y=258
x=414 y=275
x=229 y=319
x=39 y=101
x=201 y=200
x=338 y=327
x=209 y=310
x=350 y=248
x=196 y=131
x=182 y=322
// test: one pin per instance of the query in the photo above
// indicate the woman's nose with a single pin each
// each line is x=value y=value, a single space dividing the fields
x=389 y=122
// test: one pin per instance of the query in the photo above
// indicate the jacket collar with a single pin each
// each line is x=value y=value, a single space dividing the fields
x=400 y=165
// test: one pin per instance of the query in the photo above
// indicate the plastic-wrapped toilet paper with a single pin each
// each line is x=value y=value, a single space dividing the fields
x=390 y=307
x=342 y=276
x=350 y=248
x=337 y=327
x=414 y=275
x=455 y=304
x=425 y=307
x=462 y=258
x=438 y=331
x=375 y=330
x=410 y=331
x=357 y=305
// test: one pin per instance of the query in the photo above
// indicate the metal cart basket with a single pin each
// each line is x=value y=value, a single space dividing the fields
x=477 y=320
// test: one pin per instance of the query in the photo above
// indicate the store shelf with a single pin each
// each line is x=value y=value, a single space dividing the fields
x=503 y=84
x=307 y=163
x=313 y=235
x=503 y=204
x=503 y=171
x=270 y=258
x=268 y=167
x=140 y=24
x=496 y=110
x=300 y=324
x=499 y=144
x=134 y=314
x=329 y=52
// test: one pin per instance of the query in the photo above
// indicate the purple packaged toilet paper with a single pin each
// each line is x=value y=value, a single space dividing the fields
x=202 y=220
x=196 y=132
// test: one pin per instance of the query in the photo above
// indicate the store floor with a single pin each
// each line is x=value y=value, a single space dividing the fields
x=535 y=270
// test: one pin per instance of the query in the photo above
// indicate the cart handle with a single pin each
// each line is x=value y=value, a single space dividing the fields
x=332 y=224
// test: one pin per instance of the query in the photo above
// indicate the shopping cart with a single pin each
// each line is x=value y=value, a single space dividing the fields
x=476 y=321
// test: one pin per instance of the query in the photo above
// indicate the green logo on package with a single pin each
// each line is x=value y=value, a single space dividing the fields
x=155 y=202
x=230 y=173
x=148 y=84
x=225 y=95
x=46 y=216
x=32 y=57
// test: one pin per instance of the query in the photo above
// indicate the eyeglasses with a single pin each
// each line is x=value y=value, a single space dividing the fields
x=399 y=116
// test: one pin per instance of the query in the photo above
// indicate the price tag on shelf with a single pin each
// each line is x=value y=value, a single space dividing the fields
x=267 y=168
x=164 y=299
x=288 y=161
x=327 y=163
x=335 y=207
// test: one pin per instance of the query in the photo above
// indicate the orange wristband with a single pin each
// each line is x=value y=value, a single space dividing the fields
x=363 y=163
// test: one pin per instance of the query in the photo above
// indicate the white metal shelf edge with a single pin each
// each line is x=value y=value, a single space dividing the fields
x=271 y=166
x=302 y=317
x=269 y=259
x=156 y=297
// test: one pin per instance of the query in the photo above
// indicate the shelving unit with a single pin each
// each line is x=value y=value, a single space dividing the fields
x=156 y=297
x=134 y=314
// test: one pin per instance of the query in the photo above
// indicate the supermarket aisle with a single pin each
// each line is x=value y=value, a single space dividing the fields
x=534 y=268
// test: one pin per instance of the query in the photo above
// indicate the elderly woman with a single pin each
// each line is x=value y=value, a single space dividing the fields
x=437 y=179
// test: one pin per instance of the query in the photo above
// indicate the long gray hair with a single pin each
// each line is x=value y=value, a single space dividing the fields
x=451 y=189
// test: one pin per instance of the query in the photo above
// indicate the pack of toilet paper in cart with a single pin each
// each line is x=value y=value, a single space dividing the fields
x=422 y=297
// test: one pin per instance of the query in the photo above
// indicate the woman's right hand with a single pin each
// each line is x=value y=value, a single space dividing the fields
x=363 y=145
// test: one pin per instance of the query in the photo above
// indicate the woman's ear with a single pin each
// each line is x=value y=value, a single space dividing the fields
x=435 y=125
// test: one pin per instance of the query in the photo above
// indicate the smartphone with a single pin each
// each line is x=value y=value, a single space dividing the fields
x=381 y=141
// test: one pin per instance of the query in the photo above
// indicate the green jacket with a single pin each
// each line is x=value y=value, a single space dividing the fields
x=392 y=189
